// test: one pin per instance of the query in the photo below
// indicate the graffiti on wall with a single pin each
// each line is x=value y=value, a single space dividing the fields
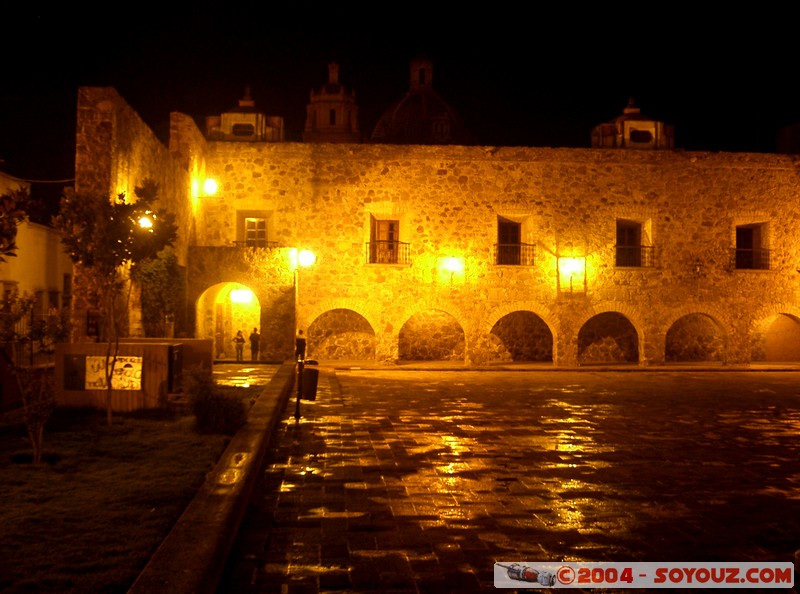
x=127 y=373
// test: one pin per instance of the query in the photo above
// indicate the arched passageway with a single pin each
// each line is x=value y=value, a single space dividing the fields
x=523 y=336
x=695 y=338
x=221 y=311
x=431 y=335
x=780 y=341
x=341 y=334
x=608 y=337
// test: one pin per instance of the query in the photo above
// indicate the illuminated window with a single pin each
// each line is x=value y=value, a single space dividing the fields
x=751 y=251
x=255 y=232
x=384 y=241
x=510 y=249
x=254 y=228
x=631 y=250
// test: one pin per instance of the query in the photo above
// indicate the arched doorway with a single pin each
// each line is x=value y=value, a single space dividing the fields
x=221 y=311
x=695 y=338
x=780 y=341
x=431 y=335
x=608 y=337
x=341 y=334
x=523 y=336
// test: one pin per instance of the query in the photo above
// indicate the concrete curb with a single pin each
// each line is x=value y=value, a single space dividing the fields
x=192 y=558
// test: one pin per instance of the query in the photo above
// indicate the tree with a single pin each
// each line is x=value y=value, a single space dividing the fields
x=13 y=209
x=106 y=237
x=162 y=283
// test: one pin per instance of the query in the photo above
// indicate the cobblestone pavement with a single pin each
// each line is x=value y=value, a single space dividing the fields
x=398 y=481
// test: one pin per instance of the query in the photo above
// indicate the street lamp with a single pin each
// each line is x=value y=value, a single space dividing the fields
x=303 y=259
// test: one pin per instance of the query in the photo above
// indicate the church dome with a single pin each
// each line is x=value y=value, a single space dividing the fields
x=421 y=116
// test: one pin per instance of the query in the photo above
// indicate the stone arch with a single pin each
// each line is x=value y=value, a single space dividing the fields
x=626 y=313
x=219 y=313
x=696 y=337
x=522 y=335
x=775 y=335
x=431 y=335
x=608 y=337
x=358 y=306
x=341 y=333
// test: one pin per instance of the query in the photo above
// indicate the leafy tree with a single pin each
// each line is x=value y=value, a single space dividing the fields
x=13 y=211
x=162 y=284
x=106 y=237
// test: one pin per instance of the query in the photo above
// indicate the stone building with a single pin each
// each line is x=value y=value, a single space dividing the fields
x=469 y=253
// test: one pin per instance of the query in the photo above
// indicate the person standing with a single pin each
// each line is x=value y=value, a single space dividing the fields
x=255 y=343
x=239 y=341
x=300 y=346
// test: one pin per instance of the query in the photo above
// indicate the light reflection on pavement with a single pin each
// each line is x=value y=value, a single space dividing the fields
x=420 y=481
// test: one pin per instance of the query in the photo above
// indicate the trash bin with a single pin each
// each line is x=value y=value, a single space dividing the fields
x=310 y=379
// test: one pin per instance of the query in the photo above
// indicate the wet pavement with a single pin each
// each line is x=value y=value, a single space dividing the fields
x=397 y=481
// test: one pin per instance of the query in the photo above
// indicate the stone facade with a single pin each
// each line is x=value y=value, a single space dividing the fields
x=685 y=295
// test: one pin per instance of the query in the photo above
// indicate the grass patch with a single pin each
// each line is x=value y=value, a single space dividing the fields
x=90 y=516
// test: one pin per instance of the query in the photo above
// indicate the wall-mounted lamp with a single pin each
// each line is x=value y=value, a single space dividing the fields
x=241 y=296
x=572 y=274
x=306 y=258
x=697 y=267
x=451 y=269
x=210 y=187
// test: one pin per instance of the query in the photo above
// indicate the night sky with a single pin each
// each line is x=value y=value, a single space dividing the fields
x=726 y=84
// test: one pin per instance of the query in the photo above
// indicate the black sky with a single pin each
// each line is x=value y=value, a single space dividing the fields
x=727 y=82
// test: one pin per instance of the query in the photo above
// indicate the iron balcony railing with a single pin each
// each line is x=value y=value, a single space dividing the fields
x=514 y=254
x=256 y=243
x=388 y=252
x=637 y=256
x=750 y=259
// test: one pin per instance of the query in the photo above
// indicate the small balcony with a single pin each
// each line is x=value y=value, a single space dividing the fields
x=256 y=243
x=514 y=254
x=388 y=252
x=636 y=256
x=750 y=259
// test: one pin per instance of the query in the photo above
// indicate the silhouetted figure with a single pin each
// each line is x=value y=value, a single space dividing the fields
x=239 y=341
x=255 y=341
x=300 y=346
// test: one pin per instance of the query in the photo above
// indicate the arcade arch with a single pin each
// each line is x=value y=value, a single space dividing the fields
x=608 y=337
x=523 y=336
x=431 y=335
x=695 y=337
x=221 y=311
x=341 y=334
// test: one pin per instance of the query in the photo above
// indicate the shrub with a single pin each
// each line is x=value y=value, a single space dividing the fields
x=214 y=411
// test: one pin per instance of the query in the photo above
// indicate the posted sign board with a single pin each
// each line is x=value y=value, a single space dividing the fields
x=127 y=373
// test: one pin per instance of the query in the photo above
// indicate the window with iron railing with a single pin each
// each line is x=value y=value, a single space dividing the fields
x=388 y=252
x=514 y=254
x=749 y=253
x=638 y=256
x=750 y=259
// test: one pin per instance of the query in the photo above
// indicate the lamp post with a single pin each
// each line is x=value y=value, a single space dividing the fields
x=305 y=259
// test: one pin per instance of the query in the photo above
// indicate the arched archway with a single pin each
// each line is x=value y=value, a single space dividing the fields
x=523 y=336
x=221 y=311
x=779 y=341
x=608 y=337
x=695 y=337
x=341 y=334
x=431 y=335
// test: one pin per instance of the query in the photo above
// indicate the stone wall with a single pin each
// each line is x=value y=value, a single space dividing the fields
x=116 y=152
x=447 y=201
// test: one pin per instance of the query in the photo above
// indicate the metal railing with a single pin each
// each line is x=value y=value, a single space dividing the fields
x=750 y=259
x=514 y=254
x=388 y=252
x=253 y=243
x=637 y=256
